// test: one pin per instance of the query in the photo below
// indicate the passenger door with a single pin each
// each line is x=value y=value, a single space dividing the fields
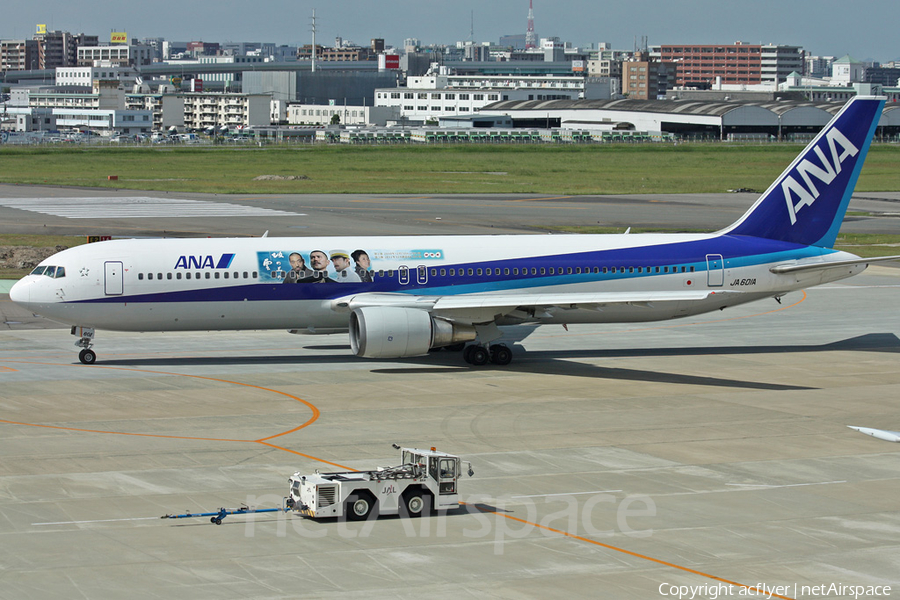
x=113 y=280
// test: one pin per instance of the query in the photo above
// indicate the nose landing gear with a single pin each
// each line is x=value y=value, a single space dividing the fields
x=86 y=340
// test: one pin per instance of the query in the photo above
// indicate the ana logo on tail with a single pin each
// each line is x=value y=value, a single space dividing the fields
x=826 y=173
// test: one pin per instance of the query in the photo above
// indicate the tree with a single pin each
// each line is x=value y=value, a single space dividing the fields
x=335 y=119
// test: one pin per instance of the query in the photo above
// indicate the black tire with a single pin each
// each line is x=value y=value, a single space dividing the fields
x=467 y=354
x=359 y=507
x=415 y=503
x=501 y=355
x=479 y=356
x=87 y=356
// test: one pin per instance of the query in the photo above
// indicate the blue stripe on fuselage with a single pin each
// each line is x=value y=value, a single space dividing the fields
x=737 y=251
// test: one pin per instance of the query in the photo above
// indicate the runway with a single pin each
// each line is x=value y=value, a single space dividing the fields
x=616 y=461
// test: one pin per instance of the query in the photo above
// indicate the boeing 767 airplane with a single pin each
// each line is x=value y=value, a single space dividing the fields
x=402 y=296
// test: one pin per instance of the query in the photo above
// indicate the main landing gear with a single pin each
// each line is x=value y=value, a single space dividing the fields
x=86 y=340
x=478 y=355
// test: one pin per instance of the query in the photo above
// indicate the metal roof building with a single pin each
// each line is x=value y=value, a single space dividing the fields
x=684 y=117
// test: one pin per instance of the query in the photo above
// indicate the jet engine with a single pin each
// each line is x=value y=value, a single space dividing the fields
x=393 y=332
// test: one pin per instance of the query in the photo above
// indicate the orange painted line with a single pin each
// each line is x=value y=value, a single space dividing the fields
x=7 y=369
x=327 y=462
x=634 y=554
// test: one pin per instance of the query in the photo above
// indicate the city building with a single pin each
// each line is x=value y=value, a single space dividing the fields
x=86 y=76
x=317 y=114
x=431 y=96
x=19 y=55
x=60 y=48
x=701 y=65
x=119 y=54
x=231 y=110
x=101 y=110
x=646 y=79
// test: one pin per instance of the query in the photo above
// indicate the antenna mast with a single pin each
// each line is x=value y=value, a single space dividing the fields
x=530 y=38
x=313 y=29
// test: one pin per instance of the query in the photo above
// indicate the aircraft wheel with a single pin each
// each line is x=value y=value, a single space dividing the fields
x=501 y=354
x=467 y=354
x=87 y=356
x=479 y=356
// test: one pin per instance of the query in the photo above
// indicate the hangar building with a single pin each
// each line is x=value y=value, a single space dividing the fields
x=691 y=118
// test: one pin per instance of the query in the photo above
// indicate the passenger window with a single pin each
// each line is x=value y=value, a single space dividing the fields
x=217 y=274
x=506 y=271
x=569 y=270
x=640 y=269
x=149 y=275
x=390 y=272
x=692 y=270
x=207 y=274
x=515 y=270
x=168 y=276
x=60 y=272
x=543 y=271
x=614 y=270
x=665 y=269
x=578 y=270
x=631 y=269
x=605 y=270
x=471 y=272
x=683 y=269
x=187 y=275
x=245 y=274
x=443 y=272
x=452 y=272
x=433 y=272
x=159 y=275
x=380 y=272
x=177 y=275
x=479 y=272
x=552 y=271
x=597 y=270
x=533 y=271
x=140 y=276
x=254 y=274
x=225 y=274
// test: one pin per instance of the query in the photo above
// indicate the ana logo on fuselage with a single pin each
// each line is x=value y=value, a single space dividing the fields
x=204 y=262
x=806 y=170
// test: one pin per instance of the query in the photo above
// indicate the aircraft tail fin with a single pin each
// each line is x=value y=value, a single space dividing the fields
x=807 y=203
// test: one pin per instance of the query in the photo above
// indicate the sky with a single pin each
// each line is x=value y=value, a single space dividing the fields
x=865 y=29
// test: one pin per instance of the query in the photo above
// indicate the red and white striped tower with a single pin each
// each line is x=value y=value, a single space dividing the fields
x=530 y=38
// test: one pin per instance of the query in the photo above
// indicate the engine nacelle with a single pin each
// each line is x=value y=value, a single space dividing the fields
x=393 y=332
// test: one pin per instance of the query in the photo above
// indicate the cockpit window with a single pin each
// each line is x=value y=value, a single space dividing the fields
x=50 y=272
x=60 y=272
x=38 y=271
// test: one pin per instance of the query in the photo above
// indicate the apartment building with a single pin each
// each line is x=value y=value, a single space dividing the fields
x=704 y=65
x=204 y=110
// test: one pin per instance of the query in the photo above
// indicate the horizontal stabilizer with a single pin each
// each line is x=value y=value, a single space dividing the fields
x=820 y=265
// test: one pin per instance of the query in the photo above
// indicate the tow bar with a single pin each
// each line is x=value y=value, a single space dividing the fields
x=216 y=517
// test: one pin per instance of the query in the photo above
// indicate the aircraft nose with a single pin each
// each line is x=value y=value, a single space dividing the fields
x=20 y=293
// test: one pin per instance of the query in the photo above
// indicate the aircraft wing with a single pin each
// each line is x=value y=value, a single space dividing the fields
x=481 y=308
